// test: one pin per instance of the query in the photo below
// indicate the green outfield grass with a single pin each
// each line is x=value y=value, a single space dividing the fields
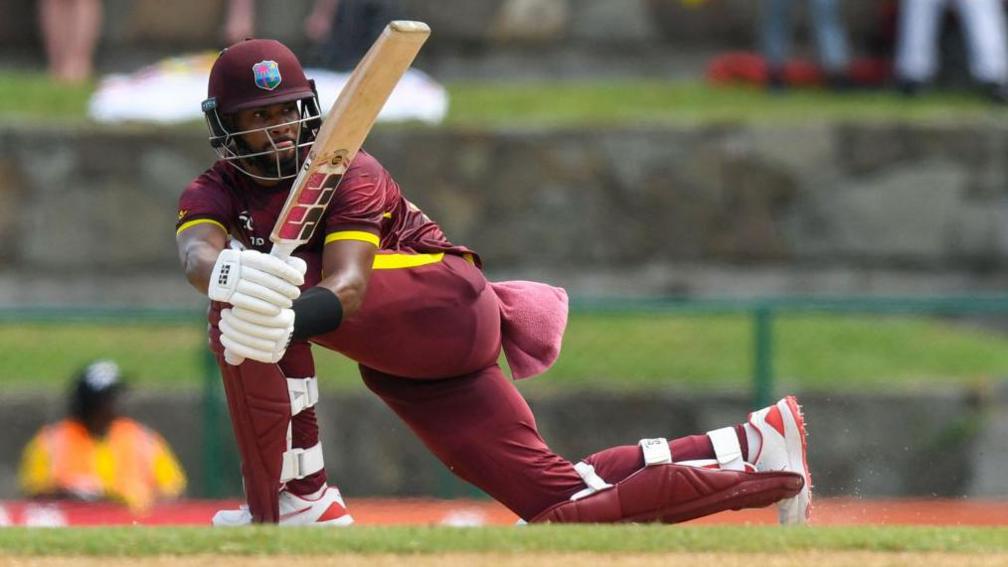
x=31 y=95
x=141 y=541
x=35 y=95
x=601 y=351
x=644 y=101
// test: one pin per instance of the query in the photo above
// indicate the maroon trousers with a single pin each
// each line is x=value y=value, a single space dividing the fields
x=428 y=339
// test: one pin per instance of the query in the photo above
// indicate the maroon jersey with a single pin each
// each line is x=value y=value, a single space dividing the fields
x=367 y=206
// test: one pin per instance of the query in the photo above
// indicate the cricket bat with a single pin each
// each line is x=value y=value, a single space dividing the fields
x=342 y=134
x=343 y=131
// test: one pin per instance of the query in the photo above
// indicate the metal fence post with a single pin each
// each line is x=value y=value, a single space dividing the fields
x=212 y=446
x=763 y=378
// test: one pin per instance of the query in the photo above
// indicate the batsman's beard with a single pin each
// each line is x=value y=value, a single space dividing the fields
x=274 y=164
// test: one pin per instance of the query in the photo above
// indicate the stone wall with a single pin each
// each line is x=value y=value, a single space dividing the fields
x=86 y=215
x=925 y=444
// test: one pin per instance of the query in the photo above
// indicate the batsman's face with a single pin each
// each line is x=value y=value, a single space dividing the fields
x=274 y=128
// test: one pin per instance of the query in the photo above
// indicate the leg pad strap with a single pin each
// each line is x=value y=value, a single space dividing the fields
x=593 y=481
x=727 y=450
x=656 y=451
x=299 y=463
x=303 y=393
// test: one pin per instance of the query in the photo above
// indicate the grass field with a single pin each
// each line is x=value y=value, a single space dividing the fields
x=411 y=540
x=28 y=95
x=652 y=102
x=616 y=351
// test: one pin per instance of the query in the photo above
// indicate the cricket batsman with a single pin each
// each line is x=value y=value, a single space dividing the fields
x=380 y=283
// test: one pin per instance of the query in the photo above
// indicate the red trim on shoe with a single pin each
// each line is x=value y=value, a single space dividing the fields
x=792 y=403
x=333 y=512
x=775 y=420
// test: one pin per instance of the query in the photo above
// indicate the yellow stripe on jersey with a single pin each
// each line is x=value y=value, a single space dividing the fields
x=193 y=223
x=398 y=261
x=352 y=235
x=386 y=215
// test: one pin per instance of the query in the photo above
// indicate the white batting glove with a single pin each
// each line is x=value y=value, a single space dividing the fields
x=247 y=334
x=255 y=281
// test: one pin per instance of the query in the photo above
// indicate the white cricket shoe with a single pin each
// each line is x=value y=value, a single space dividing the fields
x=327 y=509
x=784 y=448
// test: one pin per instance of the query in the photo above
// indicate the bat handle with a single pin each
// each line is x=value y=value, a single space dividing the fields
x=283 y=250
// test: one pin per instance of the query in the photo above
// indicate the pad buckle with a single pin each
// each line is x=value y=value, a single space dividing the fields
x=591 y=479
x=299 y=463
x=727 y=450
x=303 y=393
x=656 y=451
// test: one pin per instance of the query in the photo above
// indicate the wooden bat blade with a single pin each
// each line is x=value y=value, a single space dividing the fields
x=344 y=130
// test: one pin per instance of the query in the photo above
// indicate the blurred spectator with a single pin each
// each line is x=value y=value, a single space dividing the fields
x=70 y=31
x=96 y=454
x=343 y=30
x=240 y=21
x=983 y=23
x=829 y=33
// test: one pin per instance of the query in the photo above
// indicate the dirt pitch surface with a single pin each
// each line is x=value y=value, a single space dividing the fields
x=795 y=559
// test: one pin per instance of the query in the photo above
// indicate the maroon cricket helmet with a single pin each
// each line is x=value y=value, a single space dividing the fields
x=257 y=72
x=252 y=74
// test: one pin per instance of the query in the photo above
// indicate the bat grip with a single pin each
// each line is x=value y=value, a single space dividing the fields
x=283 y=250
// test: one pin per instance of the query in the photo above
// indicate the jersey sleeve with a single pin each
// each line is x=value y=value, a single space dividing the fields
x=358 y=208
x=202 y=203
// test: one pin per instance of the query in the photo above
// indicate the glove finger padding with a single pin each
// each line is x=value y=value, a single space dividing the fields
x=254 y=304
x=276 y=328
x=251 y=288
x=232 y=358
x=298 y=264
x=272 y=265
x=276 y=285
x=283 y=319
x=257 y=343
x=234 y=348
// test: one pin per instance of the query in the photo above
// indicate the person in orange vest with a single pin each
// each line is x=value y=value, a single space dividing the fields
x=97 y=454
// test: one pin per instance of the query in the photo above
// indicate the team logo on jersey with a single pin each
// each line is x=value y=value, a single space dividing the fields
x=267 y=74
x=246 y=221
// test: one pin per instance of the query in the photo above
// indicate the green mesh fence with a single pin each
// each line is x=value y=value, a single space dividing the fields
x=757 y=346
